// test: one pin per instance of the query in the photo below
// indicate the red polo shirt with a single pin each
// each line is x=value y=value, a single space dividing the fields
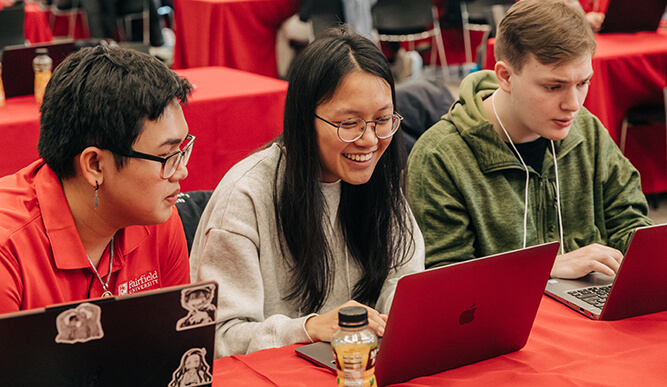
x=42 y=259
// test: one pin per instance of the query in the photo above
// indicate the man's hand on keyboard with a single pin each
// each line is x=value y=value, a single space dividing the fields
x=594 y=257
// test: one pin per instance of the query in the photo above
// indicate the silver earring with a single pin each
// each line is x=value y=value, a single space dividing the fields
x=97 y=200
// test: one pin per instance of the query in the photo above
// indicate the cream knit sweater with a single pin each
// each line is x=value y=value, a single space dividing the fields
x=237 y=245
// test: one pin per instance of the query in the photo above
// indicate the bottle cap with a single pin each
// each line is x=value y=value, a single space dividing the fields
x=42 y=51
x=352 y=316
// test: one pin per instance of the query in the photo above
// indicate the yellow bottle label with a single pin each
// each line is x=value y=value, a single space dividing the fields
x=355 y=364
x=41 y=79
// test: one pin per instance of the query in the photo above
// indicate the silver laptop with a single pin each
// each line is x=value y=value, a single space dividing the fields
x=639 y=287
x=152 y=338
x=456 y=315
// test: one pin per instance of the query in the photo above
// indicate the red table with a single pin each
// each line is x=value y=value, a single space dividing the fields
x=19 y=124
x=36 y=25
x=239 y=34
x=630 y=70
x=564 y=349
x=594 y=5
x=61 y=26
x=231 y=113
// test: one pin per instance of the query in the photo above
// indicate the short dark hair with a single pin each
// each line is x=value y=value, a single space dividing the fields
x=101 y=96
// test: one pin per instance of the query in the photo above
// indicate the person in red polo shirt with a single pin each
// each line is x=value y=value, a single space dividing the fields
x=95 y=215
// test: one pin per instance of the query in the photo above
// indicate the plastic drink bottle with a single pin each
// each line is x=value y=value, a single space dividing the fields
x=42 y=67
x=355 y=348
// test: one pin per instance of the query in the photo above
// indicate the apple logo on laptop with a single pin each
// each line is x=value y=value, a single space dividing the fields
x=468 y=315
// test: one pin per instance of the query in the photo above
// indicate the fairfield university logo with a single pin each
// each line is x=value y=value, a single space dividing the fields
x=145 y=281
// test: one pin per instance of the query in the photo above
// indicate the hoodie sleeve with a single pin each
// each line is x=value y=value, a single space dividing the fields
x=438 y=205
x=625 y=206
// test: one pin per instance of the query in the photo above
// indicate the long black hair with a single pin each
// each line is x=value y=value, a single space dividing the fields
x=373 y=216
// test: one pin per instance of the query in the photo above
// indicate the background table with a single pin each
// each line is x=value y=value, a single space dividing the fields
x=231 y=113
x=630 y=70
x=564 y=349
x=594 y=5
x=36 y=25
x=19 y=125
x=61 y=26
x=240 y=34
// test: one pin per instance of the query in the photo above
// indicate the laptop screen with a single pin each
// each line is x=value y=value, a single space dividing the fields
x=17 y=74
x=458 y=314
x=624 y=16
x=12 y=20
x=150 y=338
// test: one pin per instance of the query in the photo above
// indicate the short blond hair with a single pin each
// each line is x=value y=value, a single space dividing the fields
x=553 y=31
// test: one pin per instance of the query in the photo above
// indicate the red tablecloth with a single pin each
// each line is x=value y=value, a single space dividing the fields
x=594 y=5
x=231 y=112
x=239 y=34
x=36 y=25
x=19 y=125
x=61 y=25
x=564 y=349
x=630 y=70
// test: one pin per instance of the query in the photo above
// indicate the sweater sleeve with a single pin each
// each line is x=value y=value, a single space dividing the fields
x=231 y=258
x=414 y=265
x=234 y=246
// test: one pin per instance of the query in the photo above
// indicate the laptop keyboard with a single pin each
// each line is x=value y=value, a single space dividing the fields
x=594 y=295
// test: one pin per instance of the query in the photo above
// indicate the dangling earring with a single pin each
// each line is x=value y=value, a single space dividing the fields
x=97 y=200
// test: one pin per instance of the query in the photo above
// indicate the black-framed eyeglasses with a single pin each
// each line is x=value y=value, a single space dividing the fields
x=352 y=129
x=171 y=162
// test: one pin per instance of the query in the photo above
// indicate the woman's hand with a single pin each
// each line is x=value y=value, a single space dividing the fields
x=594 y=257
x=322 y=327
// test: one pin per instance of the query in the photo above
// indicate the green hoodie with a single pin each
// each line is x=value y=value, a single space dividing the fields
x=467 y=188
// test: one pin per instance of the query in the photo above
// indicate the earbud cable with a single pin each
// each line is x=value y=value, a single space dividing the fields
x=525 y=211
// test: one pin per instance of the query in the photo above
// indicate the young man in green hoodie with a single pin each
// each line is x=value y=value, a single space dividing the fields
x=518 y=161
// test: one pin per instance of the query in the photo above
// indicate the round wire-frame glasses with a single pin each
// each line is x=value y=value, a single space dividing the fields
x=171 y=162
x=352 y=129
